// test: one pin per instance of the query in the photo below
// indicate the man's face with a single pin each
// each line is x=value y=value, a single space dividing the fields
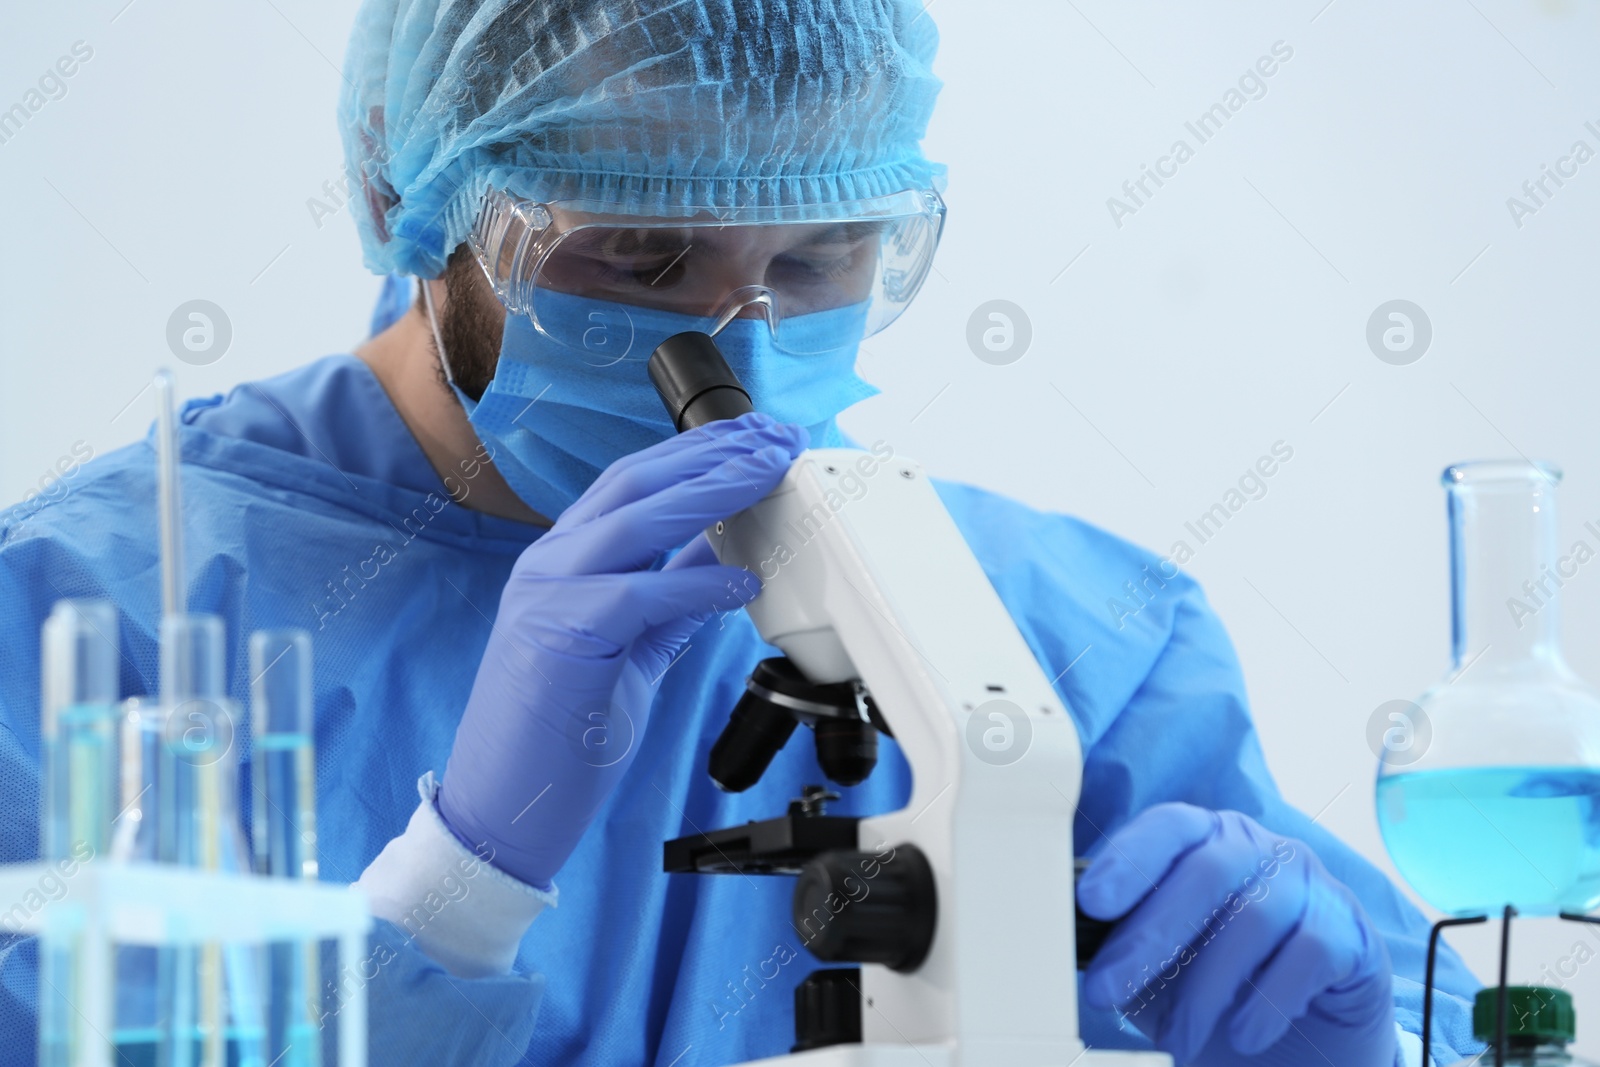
x=810 y=267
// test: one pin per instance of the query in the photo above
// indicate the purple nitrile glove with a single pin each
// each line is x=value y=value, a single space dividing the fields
x=587 y=627
x=1235 y=946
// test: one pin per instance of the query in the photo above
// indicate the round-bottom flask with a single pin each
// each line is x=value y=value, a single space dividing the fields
x=1490 y=793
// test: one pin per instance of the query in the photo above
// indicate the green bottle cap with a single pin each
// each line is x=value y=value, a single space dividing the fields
x=1533 y=1011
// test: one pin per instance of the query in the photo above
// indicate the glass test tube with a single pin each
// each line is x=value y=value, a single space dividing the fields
x=140 y=726
x=283 y=814
x=137 y=1033
x=169 y=501
x=78 y=714
x=78 y=728
x=199 y=827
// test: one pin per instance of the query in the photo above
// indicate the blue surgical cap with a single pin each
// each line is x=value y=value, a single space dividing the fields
x=647 y=105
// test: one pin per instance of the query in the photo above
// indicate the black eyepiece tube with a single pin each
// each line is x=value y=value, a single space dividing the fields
x=695 y=382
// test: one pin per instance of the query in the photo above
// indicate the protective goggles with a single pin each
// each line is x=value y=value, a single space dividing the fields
x=869 y=256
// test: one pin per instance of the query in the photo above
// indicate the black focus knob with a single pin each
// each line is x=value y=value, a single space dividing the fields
x=866 y=907
x=827 y=1009
x=1091 y=933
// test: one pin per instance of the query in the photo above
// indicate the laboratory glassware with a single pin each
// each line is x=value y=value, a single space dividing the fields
x=78 y=659
x=1488 y=789
x=283 y=815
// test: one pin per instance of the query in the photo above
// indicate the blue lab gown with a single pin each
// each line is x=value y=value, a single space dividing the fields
x=308 y=503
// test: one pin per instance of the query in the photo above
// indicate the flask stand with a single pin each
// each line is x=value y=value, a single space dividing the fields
x=1505 y=996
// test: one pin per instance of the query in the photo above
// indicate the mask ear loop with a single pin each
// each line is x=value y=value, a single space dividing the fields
x=433 y=324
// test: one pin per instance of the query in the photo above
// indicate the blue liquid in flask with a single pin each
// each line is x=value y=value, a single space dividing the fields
x=1472 y=840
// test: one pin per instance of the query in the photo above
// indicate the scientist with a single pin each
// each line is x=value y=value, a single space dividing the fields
x=471 y=514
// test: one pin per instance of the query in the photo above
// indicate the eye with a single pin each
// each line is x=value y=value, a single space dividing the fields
x=820 y=263
x=621 y=259
x=660 y=273
x=654 y=272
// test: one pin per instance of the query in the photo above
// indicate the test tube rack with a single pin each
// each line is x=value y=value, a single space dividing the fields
x=108 y=904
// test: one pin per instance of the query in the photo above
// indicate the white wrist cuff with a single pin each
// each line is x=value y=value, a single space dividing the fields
x=466 y=915
x=1410 y=1048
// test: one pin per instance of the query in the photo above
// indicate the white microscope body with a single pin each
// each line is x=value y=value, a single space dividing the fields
x=867 y=578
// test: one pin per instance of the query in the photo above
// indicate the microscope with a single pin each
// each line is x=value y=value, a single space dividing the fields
x=947 y=922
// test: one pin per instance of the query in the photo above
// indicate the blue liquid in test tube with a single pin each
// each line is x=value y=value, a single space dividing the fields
x=283 y=814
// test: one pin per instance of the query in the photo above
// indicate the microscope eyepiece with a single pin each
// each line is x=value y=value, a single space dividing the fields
x=695 y=382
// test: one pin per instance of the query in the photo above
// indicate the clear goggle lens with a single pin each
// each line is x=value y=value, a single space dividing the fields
x=869 y=257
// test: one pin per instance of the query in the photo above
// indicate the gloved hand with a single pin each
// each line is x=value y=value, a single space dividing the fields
x=586 y=630
x=1237 y=947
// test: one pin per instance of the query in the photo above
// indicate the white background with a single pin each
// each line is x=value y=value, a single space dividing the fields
x=1227 y=313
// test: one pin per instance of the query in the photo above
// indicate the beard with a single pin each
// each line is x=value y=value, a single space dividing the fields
x=471 y=324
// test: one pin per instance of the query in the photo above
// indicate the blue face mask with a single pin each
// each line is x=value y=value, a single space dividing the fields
x=554 y=417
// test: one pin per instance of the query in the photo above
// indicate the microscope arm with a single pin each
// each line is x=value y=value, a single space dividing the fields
x=866 y=577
